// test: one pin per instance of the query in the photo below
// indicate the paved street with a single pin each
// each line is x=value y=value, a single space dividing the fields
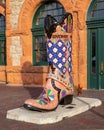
x=13 y=97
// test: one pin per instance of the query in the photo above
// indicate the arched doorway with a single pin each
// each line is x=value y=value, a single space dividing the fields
x=95 y=29
x=39 y=47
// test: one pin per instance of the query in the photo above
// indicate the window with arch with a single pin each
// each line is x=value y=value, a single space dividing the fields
x=98 y=9
x=2 y=41
x=39 y=45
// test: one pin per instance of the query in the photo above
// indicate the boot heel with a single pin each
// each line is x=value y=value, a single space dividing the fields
x=66 y=100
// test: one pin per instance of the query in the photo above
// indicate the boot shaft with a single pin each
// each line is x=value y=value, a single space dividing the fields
x=59 y=51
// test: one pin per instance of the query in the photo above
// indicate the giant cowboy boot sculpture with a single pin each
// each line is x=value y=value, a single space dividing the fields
x=59 y=85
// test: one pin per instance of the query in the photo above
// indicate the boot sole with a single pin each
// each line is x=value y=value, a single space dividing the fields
x=64 y=101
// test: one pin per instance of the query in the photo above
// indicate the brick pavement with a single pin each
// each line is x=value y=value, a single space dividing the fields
x=13 y=97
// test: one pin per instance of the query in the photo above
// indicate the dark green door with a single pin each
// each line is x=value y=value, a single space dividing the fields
x=96 y=58
x=95 y=26
x=101 y=57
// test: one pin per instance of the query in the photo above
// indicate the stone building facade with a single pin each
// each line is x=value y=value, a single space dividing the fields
x=19 y=68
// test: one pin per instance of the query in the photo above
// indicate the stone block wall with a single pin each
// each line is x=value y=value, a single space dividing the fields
x=19 y=16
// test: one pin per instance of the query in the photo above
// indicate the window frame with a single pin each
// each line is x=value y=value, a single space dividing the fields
x=89 y=18
x=36 y=28
x=3 y=38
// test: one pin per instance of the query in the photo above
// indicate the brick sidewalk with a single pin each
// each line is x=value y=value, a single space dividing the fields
x=13 y=97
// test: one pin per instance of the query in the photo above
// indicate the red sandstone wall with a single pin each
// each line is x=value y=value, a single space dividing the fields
x=25 y=73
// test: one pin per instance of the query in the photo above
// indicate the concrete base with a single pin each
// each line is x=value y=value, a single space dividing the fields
x=79 y=105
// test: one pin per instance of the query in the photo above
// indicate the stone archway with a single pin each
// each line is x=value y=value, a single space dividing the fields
x=24 y=27
x=27 y=13
x=29 y=8
x=25 y=20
